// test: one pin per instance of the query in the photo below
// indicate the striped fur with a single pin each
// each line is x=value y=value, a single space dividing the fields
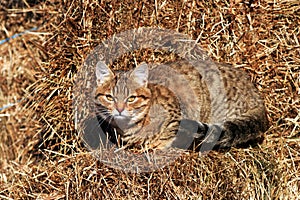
x=146 y=105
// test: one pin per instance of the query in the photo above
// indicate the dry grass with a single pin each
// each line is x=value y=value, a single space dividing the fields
x=261 y=37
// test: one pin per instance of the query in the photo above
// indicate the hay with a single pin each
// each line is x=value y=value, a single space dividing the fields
x=39 y=69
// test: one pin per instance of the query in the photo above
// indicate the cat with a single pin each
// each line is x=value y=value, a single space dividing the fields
x=158 y=106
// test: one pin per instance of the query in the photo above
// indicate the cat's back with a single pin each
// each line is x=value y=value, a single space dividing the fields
x=240 y=94
x=212 y=93
x=187 y=86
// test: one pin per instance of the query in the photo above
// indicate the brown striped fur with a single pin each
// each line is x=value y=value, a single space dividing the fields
x=146 y=105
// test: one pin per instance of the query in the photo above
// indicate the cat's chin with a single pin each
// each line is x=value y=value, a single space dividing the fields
x=122 y=121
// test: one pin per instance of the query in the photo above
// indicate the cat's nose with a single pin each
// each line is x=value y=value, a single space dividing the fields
x=120 y=107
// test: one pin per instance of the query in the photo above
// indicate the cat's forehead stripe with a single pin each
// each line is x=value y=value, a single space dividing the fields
x=120 y=87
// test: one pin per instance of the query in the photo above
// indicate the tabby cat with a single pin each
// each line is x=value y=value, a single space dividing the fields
x=159 y=106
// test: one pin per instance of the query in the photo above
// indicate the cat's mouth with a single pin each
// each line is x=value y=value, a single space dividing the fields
x=121 y=117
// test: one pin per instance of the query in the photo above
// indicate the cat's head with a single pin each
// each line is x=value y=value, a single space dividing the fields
x=123 y=96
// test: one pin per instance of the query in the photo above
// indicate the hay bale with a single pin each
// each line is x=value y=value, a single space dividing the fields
x=260 y=38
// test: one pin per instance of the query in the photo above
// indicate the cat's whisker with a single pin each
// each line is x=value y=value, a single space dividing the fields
x=110 y=119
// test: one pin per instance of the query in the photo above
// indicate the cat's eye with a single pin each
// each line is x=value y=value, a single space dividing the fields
x=131 y=98
x=109 y=97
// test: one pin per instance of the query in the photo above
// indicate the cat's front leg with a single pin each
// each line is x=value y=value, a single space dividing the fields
x=197 y=136
x=189 y=131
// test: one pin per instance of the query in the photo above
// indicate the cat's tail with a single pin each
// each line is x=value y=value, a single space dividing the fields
x=245 y=130
x=242 y=131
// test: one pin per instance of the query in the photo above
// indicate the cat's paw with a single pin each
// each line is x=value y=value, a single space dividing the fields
x=188 y=132
x=202 y=130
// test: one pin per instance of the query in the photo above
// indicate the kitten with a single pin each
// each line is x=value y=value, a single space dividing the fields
x=162 y=106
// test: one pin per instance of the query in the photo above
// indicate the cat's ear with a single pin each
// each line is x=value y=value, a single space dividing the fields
x=140 y=74
x=103 y=73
